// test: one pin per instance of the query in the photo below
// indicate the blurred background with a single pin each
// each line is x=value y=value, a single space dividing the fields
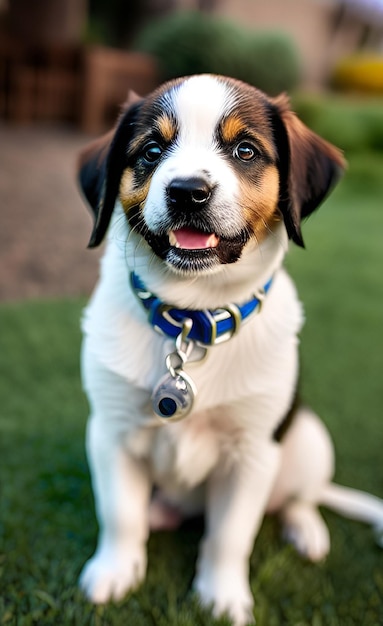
x=65 y=69
x=67 y=65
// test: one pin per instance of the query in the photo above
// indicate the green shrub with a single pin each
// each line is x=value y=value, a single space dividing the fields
x=191 y=43
x=352 y=124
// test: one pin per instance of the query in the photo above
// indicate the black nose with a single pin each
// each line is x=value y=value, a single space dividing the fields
x=188 y=193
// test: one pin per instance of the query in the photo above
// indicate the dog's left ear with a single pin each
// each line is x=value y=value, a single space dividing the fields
x=101 y=165
x=309 y=167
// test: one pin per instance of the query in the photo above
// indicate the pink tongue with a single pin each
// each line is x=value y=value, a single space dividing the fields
x=190 y=239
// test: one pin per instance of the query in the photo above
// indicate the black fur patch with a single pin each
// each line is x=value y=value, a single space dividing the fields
x=285 y=424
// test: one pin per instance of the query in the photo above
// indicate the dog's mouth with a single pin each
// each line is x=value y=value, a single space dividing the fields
x=192 y=239
x=190 y=249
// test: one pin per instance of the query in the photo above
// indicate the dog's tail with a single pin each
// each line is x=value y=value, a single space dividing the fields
x=356 y=505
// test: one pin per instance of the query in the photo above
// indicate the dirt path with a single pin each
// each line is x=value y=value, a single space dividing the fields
x=44 y=224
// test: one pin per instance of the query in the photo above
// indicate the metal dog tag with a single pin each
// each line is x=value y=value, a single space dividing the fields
x=173 y=397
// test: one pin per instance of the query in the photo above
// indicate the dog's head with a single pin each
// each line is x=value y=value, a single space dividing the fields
x=203 y=166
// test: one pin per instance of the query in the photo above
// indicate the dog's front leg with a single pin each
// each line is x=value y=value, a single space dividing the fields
x=121 y=488
x=235 y=508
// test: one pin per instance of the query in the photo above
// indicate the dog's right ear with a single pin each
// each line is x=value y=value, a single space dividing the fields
x=309 y=167
x=101 y=165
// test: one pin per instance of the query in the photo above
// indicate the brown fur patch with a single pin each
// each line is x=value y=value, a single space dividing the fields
x=129 y=195
x=166 y=127
x=231 y=127
x=260 y=202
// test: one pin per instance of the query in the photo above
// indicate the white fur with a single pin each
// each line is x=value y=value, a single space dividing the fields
x=222 y=457
x=199 y=105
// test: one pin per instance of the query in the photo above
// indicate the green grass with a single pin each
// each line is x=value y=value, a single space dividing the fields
x=48 y=528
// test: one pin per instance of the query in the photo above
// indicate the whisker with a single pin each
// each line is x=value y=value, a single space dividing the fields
x=120 y=224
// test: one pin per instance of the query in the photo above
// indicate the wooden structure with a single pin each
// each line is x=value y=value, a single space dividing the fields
x=47 y=74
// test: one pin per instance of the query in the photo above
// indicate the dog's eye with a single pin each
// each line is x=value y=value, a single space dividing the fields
x=245 y=151
x=152 y=152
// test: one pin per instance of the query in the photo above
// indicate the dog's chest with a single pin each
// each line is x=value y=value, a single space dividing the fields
x=185 y=453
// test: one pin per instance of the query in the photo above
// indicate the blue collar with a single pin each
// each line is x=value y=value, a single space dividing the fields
x=207 y=327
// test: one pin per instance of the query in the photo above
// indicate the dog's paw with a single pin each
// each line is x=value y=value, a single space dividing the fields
x=226 y=593
x=109 y=575
x=306 y=530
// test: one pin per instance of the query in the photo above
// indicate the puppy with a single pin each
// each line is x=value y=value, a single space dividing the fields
x=190 y=354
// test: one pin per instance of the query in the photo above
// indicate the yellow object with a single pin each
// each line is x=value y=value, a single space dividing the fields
x=361 y=73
